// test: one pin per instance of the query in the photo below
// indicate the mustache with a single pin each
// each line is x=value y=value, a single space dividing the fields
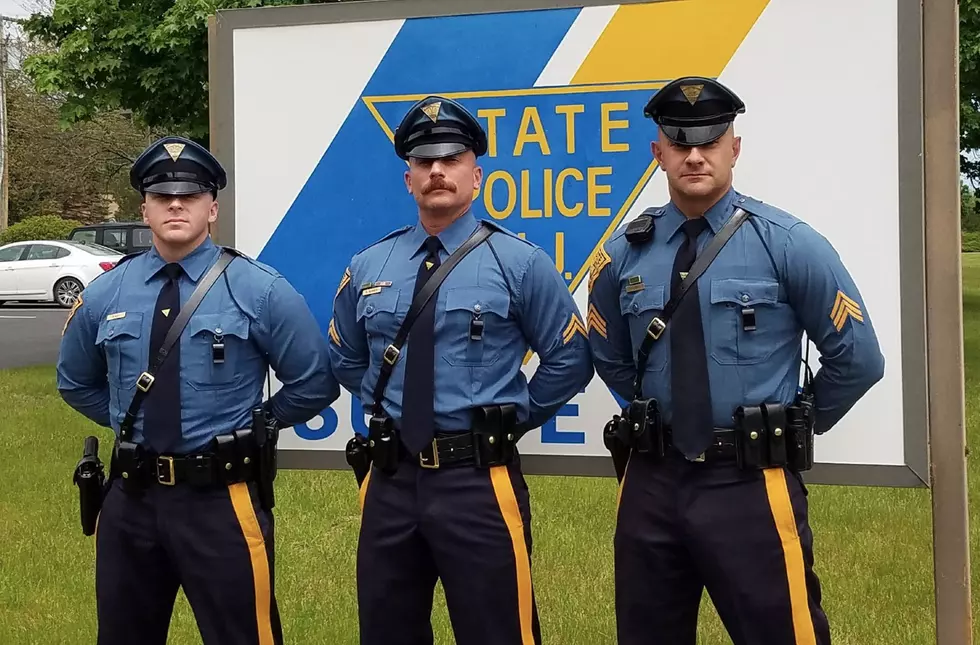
x=438 y=184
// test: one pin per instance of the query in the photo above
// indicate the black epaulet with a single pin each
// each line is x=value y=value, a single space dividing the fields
x=128 y=257
x=640 y=230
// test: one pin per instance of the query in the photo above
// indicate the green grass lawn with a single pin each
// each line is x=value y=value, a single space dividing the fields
x=873 y=546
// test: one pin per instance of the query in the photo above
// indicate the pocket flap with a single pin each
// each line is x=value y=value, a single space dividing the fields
x=223 y=324
x=650 y=298
x=478 y=300
x=744 y=292
x=131 y=325
x=385 y=300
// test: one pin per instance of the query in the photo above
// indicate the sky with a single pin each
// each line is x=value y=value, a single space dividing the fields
x=14 y=8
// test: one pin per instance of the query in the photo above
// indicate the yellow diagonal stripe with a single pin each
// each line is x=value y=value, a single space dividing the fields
x=708 y=32
x=575 y=326
x=334 y=336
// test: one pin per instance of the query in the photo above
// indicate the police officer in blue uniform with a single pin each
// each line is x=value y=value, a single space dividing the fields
x=188 y=502
x=717 y=429
x=445 y=497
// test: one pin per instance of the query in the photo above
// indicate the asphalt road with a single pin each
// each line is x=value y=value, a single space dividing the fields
x=30 y=334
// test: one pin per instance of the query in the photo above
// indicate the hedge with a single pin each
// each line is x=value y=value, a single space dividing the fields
x=42 y=227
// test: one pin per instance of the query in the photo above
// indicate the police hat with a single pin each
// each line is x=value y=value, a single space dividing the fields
x=438 y=127
x=177 y=166
x=694 y=110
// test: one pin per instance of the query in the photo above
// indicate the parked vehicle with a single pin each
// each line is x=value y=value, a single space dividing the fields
x=51 y=270
x=124 y=237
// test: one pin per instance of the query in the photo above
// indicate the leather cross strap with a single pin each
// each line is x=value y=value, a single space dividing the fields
x=659 y=323
x=145 y=380
x=393 y=351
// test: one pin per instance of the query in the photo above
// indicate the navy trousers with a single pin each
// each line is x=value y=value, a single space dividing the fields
x=217 y=544
x=683 y=527
x=469 y=527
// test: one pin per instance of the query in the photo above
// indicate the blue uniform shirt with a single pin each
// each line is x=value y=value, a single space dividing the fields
x=522 y=301
x=263 y=320
x=775 y=264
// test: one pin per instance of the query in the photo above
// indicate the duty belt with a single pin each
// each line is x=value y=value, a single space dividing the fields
x=200 y=470
x=448 y=449
x=722 y=445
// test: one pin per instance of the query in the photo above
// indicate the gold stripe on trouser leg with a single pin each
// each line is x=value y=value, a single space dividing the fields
x=619 y=491
x=362 y=493
x=782 y=513
x=242 y=502
x=507 y=500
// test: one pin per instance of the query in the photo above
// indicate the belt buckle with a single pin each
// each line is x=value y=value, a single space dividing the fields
x=170 y=480
x=145 y=382
x=435 y=458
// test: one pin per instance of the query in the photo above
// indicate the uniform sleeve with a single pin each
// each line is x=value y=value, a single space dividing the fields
x=609 y=334
x=297 y=353
x=349 y=353
x=553 y=326
x=832 y=311
x=82 y=373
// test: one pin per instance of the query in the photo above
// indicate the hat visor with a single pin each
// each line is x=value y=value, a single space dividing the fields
x=437 y=150
x=694 y=135
x=177 y=188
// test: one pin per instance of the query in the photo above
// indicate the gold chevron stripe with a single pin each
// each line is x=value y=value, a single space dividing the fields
x=334 y=336
x=575 y=326
x=343 y=282
x=596 y=322
x=843 y=309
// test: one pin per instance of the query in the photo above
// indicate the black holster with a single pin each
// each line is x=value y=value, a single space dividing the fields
x=494 y=435
x=265 y=435
x=358 y=454
x=89 y=476
x=772 y=435
x=619 y=451
x=644 y=430
x=383 y=443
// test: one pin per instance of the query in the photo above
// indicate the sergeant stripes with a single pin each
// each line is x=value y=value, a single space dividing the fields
x=844 y=308
x=596 y=321
x=575 y=326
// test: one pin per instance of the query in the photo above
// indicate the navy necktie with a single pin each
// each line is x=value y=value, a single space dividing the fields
x=161 y=417
x=418 y=401
x=690 y=393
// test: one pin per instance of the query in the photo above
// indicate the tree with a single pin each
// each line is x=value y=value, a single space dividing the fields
x=969 y=216
x=79 y=173
x=970 y=88
x=146 y=56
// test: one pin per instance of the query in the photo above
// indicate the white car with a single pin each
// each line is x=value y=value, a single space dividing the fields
x=51 y=270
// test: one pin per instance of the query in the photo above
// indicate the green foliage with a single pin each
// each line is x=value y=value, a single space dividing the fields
x=969 y=216
x=43 y=227
x=970 y=86
x=147 y=56
x=971 y=242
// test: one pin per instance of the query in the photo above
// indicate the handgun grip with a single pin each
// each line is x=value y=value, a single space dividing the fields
x=91 y=448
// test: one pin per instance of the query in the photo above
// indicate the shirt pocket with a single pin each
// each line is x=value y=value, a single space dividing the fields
x=201 y=362
x=731 y=343
x=638 y=309
x=473 y=327
x=125 y=351
x=379 y=313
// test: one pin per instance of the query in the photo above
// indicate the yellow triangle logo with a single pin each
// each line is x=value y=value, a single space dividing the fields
x=174 y=150
x=432 y=110
x=692 y=92
x=165 y=312
x=428 y=265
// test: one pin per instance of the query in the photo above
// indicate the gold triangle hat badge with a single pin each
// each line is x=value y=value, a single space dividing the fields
x=432 y=110
x=692 y=92
x=174 y=150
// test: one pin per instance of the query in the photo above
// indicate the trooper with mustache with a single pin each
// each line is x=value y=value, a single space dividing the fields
x=445 y=498
x=715 y=436
x=186 y=502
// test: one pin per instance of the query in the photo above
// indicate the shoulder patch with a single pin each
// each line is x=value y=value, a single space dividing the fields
x=600 y=260
x=71 y=314
x=344 y=281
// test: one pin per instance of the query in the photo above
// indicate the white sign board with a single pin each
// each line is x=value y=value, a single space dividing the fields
x=305 y=100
